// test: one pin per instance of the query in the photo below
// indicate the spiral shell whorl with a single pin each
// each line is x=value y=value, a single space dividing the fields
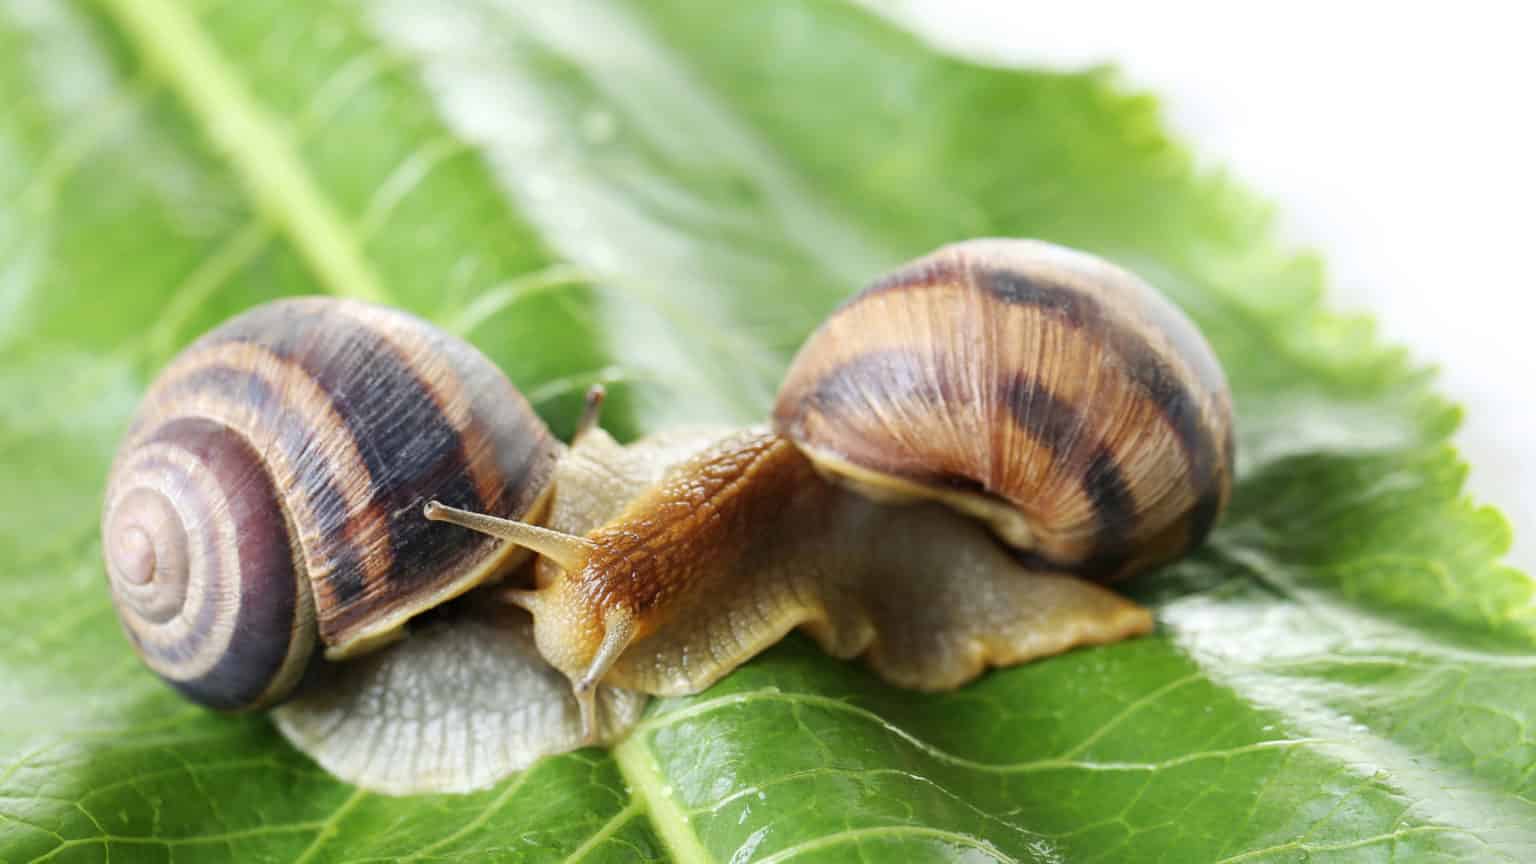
x=197 y=552
x=267 y=498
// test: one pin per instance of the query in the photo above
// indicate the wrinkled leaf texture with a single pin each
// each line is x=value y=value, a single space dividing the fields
x=666 y=196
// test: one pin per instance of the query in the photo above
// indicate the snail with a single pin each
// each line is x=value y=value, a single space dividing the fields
x=1036 y=398
x=958 y=460
x=262 y=523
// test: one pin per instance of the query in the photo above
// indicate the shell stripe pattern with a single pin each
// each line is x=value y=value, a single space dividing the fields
x=367 y=398
x=1055 y=422
x=1146 y=367
x=411 y=419
x=1077 y=355
x=1052 y=422
x=1208 y=460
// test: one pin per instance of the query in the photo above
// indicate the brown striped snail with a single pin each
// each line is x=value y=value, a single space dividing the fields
x=995 y=390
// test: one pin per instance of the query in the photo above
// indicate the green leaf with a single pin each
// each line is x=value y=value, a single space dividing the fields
x=667 y=198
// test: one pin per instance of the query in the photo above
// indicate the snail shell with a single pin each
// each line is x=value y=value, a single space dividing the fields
x=267 y=497
x=1047 y=391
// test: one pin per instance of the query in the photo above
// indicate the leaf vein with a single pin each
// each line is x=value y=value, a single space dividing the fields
x=254 y=142
x=887 y=831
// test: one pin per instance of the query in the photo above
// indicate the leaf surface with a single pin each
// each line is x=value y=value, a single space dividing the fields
x=667 y=199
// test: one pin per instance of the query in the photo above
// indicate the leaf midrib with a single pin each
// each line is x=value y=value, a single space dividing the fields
x=252 y=141
x=287 y=194
x=668 y=821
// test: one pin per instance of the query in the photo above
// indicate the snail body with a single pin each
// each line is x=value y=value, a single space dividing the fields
x=746 y=541
x=957 y=460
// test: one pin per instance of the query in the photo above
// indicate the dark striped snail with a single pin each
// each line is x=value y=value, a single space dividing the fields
x=994 y=390
x=264 y=511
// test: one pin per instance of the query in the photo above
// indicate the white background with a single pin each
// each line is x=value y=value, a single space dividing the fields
x=1397 y=139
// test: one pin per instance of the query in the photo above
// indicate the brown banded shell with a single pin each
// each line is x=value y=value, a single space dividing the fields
x=1043 y=389
x=268 y=494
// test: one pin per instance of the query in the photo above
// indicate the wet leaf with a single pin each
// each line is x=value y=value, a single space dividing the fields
x=667 y=198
